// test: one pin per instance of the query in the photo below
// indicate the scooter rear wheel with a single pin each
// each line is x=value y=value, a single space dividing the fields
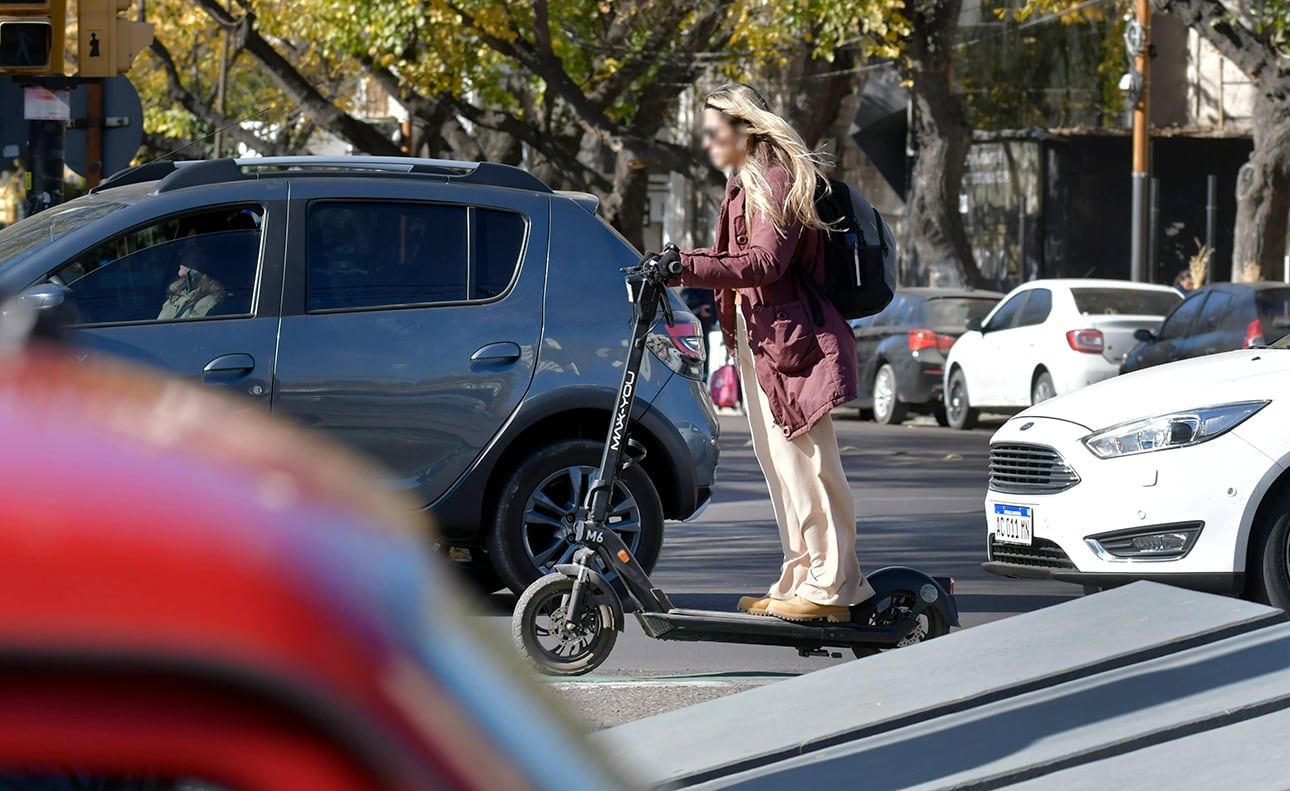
x=890 y=607
x=547 y=642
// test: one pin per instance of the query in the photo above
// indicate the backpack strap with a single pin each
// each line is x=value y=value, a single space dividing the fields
x=882 y=239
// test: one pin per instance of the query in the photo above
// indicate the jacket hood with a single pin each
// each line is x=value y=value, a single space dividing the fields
x=1245 y=375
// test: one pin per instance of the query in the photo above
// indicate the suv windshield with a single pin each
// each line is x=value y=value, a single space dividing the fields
x=1124 y=301
x=23 y=238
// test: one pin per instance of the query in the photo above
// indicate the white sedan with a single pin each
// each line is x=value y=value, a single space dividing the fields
x=1048 y=338
x=1177 y=474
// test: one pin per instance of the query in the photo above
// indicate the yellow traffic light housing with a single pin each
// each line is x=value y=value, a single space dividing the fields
x=31 y=36
x=106 y=43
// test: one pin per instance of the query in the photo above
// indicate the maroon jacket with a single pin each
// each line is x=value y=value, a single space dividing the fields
x=805 y=370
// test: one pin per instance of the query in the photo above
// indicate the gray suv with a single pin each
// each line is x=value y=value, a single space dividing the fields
x=459 y=323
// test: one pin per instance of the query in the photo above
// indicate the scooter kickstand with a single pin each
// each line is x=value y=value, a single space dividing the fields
x=807 y=652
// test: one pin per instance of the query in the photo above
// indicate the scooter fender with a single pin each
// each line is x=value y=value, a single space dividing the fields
x=892 y=578
x=601 y=591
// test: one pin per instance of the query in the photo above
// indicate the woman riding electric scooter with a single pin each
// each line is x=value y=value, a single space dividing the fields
x=769 y=241
x=793 y=371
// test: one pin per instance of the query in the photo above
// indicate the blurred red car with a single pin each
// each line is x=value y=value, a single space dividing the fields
x=195 y=597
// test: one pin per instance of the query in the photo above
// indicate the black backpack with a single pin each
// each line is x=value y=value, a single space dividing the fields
x=860 y=270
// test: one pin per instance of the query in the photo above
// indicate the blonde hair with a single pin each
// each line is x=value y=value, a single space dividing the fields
x=771 y=140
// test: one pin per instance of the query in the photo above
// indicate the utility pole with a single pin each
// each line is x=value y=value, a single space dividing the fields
x=1139 y=33
x=44 y=165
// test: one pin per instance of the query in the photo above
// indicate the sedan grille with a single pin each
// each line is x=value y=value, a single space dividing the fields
x=1042 y=553
x=1029 y=469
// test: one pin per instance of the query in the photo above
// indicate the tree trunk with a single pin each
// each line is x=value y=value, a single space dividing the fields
x=944 y=137
x=822 y=90
x=1263 y=195
x=624 y=208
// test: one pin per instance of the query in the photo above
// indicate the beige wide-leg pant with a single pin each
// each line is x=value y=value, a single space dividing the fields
x=811 y=498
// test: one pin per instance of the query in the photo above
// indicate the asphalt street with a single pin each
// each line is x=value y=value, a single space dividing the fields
x=918 y=490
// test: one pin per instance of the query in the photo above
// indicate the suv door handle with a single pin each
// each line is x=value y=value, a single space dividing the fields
x=225 y=365
x=504 y=352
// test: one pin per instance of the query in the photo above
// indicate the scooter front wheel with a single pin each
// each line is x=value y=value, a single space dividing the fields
x=542 y=634
x=888 y=608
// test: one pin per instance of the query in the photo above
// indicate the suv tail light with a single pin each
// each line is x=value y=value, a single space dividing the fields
x=921 y=339
x=1254 y=334
x=1086 y=341
x=679 y=347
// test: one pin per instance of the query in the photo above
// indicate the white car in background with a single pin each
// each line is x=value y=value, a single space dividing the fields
x=1177 y=474
x=1048 y=338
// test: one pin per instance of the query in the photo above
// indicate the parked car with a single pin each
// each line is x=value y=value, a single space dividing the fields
x=460 y=324
x=1216 y=318
x=901 y=351
x=1048 y=338
x=196 y=598
x=1177 y=474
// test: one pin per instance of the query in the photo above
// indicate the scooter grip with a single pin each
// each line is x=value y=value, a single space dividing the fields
x=674 y=267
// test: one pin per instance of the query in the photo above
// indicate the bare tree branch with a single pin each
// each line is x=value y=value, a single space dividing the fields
x=317 y=107
x=203 y=110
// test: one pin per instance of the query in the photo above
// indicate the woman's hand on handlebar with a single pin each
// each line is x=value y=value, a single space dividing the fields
x=669 y=261
x=662 y=268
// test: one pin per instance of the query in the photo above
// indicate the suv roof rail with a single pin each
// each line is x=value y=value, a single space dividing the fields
x=178 y=175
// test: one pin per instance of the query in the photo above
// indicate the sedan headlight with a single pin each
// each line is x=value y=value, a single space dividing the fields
x=1175 y=430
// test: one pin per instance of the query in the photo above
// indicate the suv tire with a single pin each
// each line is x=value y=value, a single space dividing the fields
x=537 y=502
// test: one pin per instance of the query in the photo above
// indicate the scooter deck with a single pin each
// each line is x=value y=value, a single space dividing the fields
x=731 y=627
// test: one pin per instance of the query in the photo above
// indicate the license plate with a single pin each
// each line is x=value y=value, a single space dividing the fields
x=1014 y=524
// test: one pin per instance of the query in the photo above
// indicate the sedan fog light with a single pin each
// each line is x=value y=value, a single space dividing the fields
x=1159 y=542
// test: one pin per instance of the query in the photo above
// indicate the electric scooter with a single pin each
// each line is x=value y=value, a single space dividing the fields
x=566 y=622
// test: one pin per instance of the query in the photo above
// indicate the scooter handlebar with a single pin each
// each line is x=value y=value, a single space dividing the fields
x=652 y=266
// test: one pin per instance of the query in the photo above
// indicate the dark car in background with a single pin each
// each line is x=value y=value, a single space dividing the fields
x=901 y=351
x=1217 y=318
x=460 y=324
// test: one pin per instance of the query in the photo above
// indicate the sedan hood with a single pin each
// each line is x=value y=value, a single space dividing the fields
x=1245 y=375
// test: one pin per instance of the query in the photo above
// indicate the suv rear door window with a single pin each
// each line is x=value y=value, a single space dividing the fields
x=499 y=243
x=386 y=254
x=368 y=255
x=1124 y=301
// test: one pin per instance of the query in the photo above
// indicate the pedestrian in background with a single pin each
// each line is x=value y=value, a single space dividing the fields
x=1184 y=284
x=769 y=250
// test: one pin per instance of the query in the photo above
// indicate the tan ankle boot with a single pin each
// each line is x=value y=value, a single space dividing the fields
x=799 y=609
x=754 y=605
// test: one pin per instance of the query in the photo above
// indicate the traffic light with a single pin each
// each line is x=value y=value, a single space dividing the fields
x=31 y=36
x=106 y=43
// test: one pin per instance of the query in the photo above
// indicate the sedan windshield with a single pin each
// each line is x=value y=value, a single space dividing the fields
x=1124 y=301
x=24 y=238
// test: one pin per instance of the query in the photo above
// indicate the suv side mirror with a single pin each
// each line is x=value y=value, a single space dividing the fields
x=55 y=304
x=1144 y=336
x=975 y=325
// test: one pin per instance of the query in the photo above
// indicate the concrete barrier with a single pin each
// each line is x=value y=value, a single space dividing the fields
x=1053 y=691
